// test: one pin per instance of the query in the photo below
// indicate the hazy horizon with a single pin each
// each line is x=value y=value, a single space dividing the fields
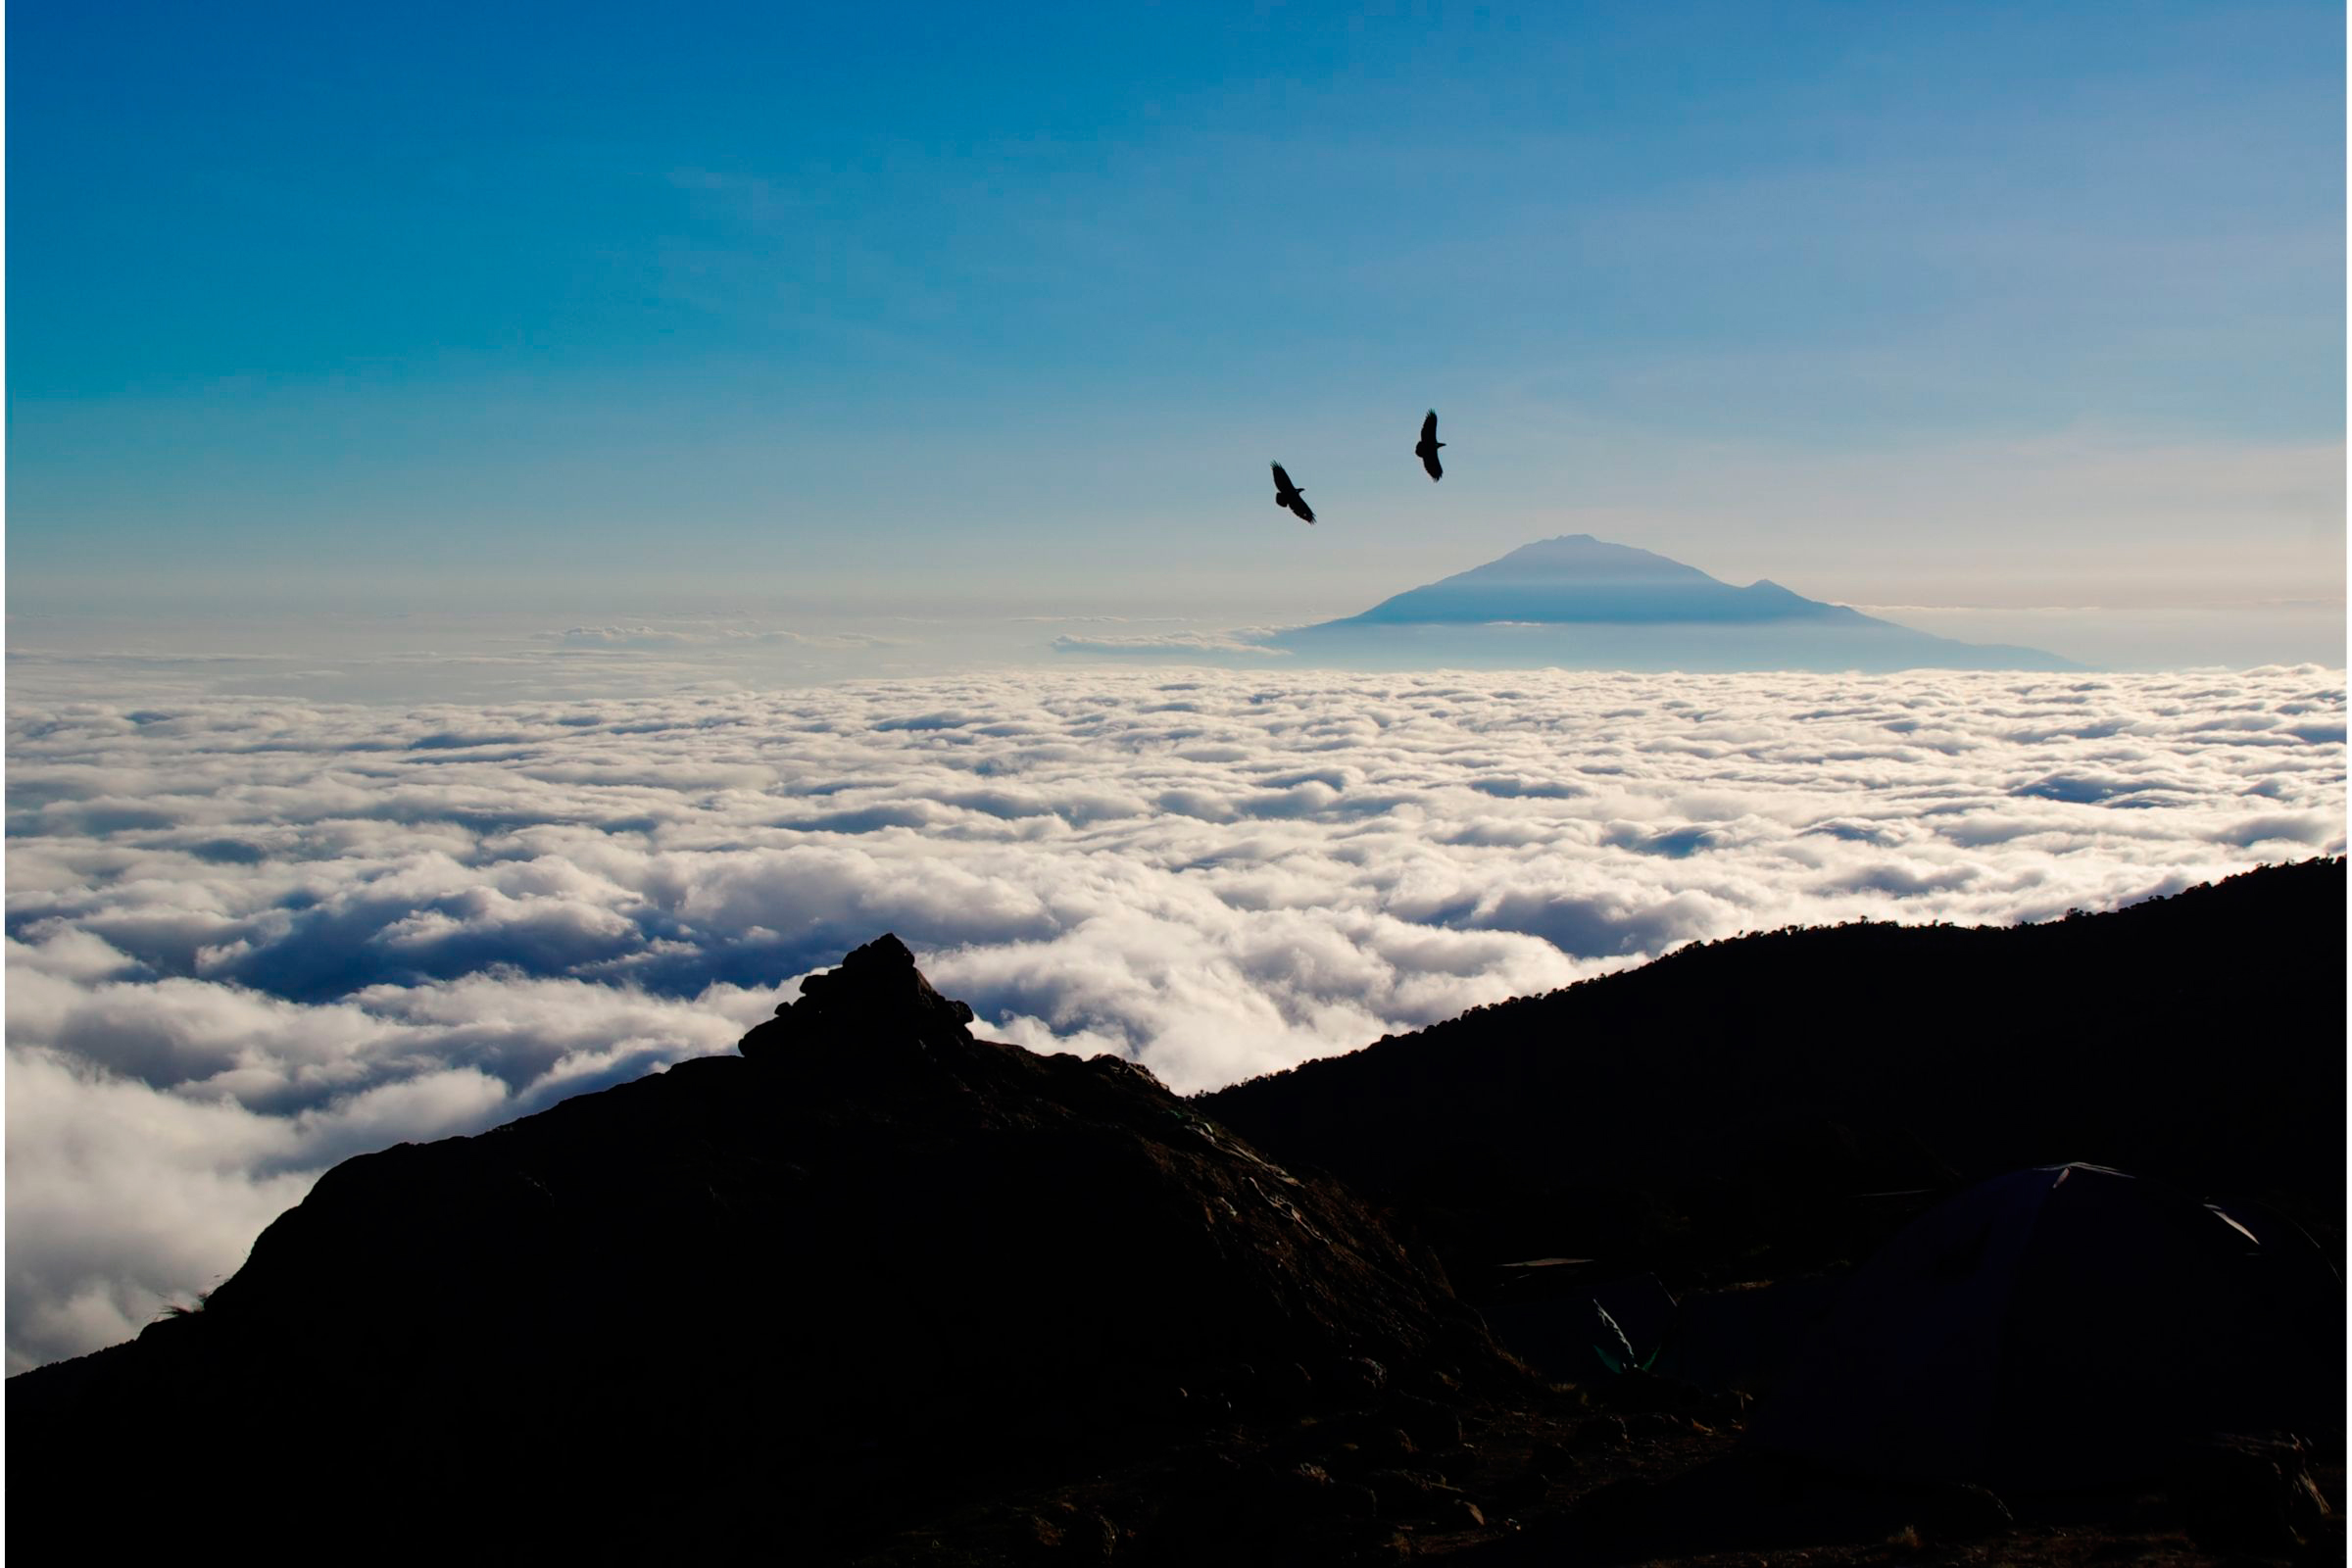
x=944 y=632
x=550 y=643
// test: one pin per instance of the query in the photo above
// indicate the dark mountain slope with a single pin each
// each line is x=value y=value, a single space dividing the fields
x=874 y=1291
x=716 y=1305
x=1738 y=1096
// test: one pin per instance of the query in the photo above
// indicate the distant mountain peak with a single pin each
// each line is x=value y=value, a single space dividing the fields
x=1578 y=578
x=1578 y=601
x=1582 y=554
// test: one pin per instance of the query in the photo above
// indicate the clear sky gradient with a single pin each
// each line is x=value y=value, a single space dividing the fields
x=855 y=308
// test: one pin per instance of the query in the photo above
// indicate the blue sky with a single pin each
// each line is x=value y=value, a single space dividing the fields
x=934 y=307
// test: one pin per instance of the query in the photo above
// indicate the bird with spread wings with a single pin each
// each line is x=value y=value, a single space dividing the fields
x=1287 y=494
x=1427 y=451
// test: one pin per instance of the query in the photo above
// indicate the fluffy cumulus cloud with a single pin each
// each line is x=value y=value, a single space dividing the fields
x=249 y=938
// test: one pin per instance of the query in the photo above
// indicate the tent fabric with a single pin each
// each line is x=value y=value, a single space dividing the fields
x=1746 y=1337
x=2054 y=1327
x=2300 y=1288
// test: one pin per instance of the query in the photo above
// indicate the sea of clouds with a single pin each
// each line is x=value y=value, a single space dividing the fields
x=248 y=938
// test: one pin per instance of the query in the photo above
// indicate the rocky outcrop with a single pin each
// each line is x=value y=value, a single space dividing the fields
x=877 y=999
x=869 y=1240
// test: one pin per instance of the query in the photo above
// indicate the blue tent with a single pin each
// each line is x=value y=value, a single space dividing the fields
x=1744 y=1337
x=2055 y=1327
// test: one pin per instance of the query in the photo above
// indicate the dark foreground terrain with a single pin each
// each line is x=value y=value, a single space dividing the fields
x=1718 y=1111
x=876 y=1291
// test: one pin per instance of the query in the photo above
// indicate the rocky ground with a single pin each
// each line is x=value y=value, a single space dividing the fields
x=1638 y=1472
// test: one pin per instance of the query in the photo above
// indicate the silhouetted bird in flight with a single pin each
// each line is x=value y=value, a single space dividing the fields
x=1427 y=451
x=1287 y=494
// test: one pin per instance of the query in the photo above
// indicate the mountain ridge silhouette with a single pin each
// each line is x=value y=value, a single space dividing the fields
x=873 y=1289
x=1807 y=1064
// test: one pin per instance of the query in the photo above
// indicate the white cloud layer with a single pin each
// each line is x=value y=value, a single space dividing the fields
x=249 y=938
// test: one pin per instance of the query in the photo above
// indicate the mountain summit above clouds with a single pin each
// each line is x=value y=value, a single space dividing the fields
x=1576 y=577
x=1585 y=602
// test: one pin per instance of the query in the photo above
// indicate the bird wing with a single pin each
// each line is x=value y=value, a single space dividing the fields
x=1282 y=481
x=1297 y=504
x=1430 y=463
x=1429 y=426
